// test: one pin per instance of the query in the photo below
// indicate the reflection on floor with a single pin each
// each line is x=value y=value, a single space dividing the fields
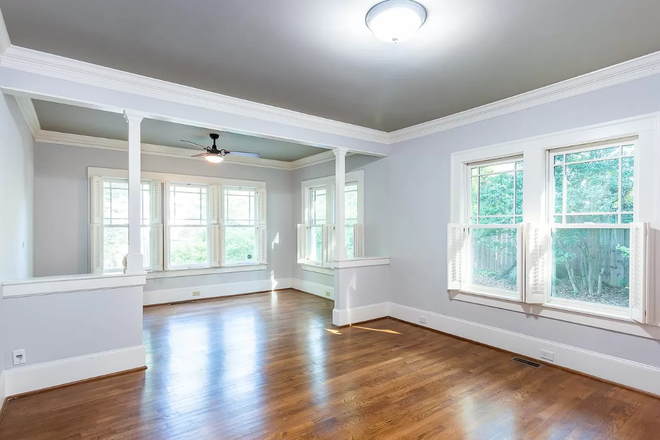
x=272 y=366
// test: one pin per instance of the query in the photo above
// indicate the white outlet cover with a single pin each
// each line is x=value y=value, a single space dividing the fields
x=423 y=320
x=19 y=356
x=547 y=355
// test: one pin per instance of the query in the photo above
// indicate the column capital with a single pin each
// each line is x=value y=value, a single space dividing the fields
x=131 y=117
x=339 y=152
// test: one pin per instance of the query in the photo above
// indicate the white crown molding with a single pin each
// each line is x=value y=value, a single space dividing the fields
x=326 y=156
x=29 y=113
x=55 y=66
x=607 y=77
x=77 y=140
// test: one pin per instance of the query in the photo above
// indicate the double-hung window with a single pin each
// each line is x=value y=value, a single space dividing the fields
x=240 y=225
x=109 y=224
x=592 y=213
x=187 y=222
x=494 y=239
x=316 y=235
x=187 y=231
x=578 y=240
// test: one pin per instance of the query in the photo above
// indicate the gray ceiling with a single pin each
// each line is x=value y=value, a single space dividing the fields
x=318 y=57
x=78 y=120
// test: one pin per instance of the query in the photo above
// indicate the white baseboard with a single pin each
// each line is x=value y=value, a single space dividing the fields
x=21 y=380
x=314 y=288
x=632 y=374
x=167 y=296
x=341 y=317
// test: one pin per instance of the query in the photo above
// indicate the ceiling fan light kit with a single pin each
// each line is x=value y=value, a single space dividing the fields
x=394 y=21
x=215 y=155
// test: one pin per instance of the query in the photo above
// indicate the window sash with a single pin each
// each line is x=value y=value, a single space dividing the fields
x=552 y=190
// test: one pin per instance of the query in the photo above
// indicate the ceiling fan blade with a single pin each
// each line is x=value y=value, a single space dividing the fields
x=194 y=143
x=200 y=155
x=243 y=154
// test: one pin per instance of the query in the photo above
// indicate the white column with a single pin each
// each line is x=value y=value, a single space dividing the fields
x=134 y=262
x=340 y=205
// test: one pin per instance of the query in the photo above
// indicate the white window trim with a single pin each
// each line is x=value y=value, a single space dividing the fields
x=329 y=183
x=536 y=209
x=191 y=270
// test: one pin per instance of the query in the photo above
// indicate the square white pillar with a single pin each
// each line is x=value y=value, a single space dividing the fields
x=134 y=259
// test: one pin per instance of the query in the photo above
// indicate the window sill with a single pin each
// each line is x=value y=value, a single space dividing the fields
x=70 y=283
x=175 y=273
x=606 y=321
x=318 y=269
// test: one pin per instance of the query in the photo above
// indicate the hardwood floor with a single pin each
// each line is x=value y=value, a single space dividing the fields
x=272 y=366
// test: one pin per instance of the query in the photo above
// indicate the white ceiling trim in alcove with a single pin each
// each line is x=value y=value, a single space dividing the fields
x=77 y=140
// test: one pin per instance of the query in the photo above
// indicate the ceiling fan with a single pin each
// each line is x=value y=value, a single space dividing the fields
x=214 y=155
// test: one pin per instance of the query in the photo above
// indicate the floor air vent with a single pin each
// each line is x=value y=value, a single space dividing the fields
x=526 y=362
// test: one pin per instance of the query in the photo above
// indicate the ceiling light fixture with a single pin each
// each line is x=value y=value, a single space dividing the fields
x=214 y=158
x=394 y=21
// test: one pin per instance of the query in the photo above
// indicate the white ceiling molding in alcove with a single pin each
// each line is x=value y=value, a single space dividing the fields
x=77 y=140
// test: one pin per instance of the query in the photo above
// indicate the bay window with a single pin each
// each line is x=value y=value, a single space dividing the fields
x=572 y=236
x=189 y=224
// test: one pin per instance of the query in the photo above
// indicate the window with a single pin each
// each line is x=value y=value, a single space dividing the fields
x=494 y=241
x=592 y=209
x=351 y=214
x=318 y=217
x=110 y=226
x=240 y=226
x=196 y=223
x=188 y=226
x=316 y=234
x=572 y=236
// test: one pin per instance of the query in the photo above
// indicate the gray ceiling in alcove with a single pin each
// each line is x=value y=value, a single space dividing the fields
x=89 y=122
x=318 y=57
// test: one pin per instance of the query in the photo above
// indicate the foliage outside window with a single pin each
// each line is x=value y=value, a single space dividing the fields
x=188 y=225
x=351 y=203
x=317 y=218
x=240 y=223
x=593 y=187
x=496 y=207
x=115 y=223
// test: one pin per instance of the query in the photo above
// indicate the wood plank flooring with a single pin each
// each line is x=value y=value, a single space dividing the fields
x=272 y=366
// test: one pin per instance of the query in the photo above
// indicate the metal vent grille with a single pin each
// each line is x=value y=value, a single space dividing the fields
x=526 y=362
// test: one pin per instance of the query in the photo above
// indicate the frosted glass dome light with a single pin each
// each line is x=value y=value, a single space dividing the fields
x=394 y=21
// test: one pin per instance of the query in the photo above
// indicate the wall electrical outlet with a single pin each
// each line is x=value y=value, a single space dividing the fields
x=19 y=356
x=547 y=355
x=197 y=293
x=328 y=294
x=423 y=320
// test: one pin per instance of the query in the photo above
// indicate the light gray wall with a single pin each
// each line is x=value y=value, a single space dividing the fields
x=16 y=202
x=65 y=325
x=61 y=210
x=361 y=286
x=376 y=205
x=16 y=192
x=419 y=213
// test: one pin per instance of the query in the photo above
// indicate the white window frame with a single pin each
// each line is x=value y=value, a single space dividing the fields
x=325 y=266
x=214 y=216
x=537 y=190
